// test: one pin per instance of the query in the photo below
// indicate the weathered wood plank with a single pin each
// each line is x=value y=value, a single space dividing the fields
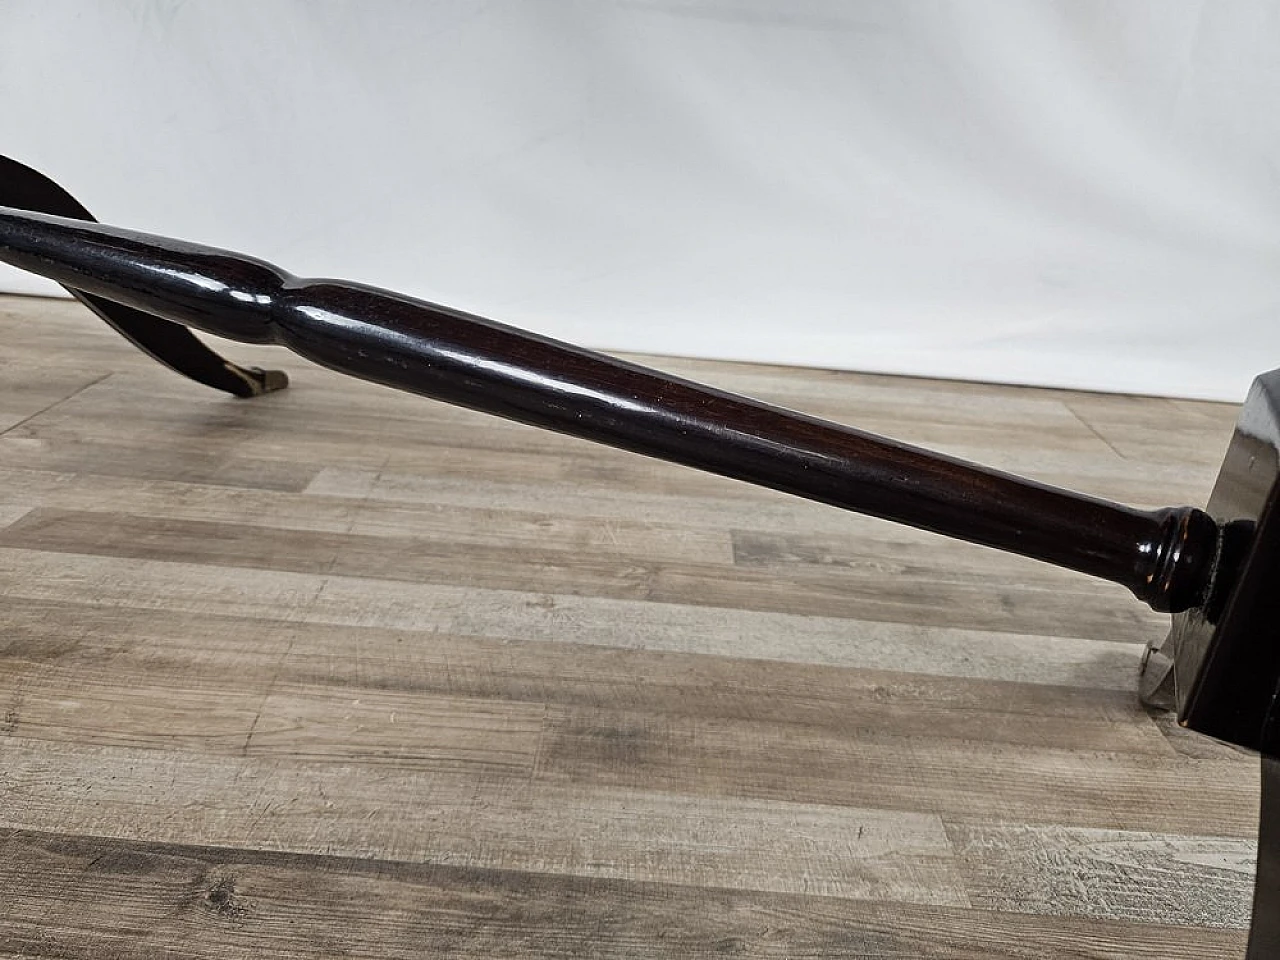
x=179 y=659
x=405 y=730
x=154 y=461
x=1133 y=427
x=311 y=598
x=108 y=900
x=28 y=391
x=492 y=818
x=1110 y=874
x=955 y=779
x=21 y=490
x=552 y=700
x=765 y=510
x=850 y=592
x=234 y=715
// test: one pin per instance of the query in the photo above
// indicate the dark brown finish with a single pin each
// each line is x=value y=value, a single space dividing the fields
x=1165 y=557
x=171 y=343
x=1264 y=933
x=1225 y=655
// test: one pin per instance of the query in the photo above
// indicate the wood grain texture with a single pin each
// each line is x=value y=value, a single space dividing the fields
x=205 y=589
x=933 y=595
x=1116 y=874
x=342 y=672
x=107 y=899
x=37 y=390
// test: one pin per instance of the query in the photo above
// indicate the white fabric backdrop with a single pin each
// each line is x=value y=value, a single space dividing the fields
x=1074 y=193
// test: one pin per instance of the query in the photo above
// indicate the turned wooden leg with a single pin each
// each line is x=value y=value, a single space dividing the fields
x=171 y=343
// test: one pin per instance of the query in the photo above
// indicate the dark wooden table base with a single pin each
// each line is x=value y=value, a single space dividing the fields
x=1214 y=569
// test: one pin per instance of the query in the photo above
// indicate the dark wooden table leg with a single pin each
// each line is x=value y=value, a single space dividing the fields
x=1166 y=557
x=1216 y=571
x=171 y=343
x=1264 y=936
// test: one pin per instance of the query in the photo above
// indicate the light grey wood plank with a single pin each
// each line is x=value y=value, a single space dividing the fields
x=492 y=820
x=1111 y=874
x=515 y=615
x=152 y=460
x=161 y=651
x=26 y=391
x=953 y=778
x=758 y=510
x=107 y=900
x=928 y=595
x=22 y=490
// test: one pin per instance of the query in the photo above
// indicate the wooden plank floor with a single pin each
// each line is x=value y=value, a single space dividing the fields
x=342 y=672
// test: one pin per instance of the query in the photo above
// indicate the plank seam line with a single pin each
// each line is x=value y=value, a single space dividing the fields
x=41 y=412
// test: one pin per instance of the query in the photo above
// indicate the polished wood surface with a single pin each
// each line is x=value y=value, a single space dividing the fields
x=345 y=672
x=1166 y=556
x=170 y=343
x=1226 y=660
